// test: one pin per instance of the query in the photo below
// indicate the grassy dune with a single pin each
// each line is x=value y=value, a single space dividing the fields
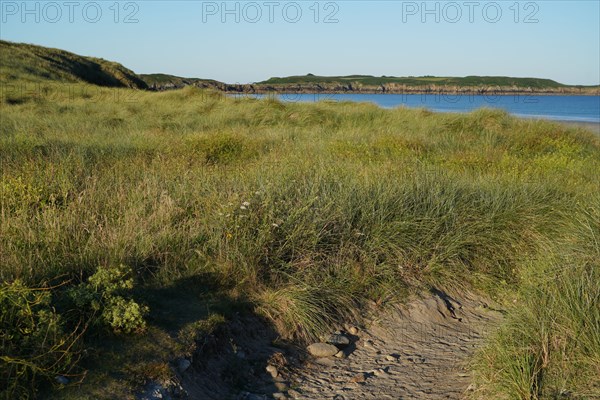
x=298 y=212
x=20 y=62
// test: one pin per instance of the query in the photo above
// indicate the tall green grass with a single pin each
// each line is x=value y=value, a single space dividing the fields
x=549 y=345
x=305 y=211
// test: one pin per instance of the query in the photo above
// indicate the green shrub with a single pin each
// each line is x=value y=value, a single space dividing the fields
x=104 y=298
x=35 y=345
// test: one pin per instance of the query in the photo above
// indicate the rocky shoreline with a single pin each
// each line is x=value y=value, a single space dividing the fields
x=350 y=88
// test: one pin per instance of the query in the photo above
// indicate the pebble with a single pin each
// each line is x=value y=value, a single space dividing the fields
x=295 y=394
x=281 y=386
x=391 y=357
x=154 y=391
x=380 y=372
x=340 y=354
x=338 y=339
x=370 y=345
x=326 y=362
x=322 y=350
x=271 y=369
x=183 y=364
x=353 y=330
x=359 y=378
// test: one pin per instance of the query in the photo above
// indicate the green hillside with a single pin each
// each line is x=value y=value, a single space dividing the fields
x=161 y=80
x=419 y=81
x=30 y=63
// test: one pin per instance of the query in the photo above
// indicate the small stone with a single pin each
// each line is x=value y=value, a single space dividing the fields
x=338 y=339
x=295 y=394
x=322 y=349
x=369 y=344
x=391 y=357
x=154 y=391
x=340 y=354
x=183 y=364
x=353 y=330
x=359 y=378
x=380 y=372
x=281 y=386
x=271 y=369
x=326 y=362
x=63 y=380
x=279 y=396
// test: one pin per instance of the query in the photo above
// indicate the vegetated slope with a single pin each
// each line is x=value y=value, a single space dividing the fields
x=165 y=81
x=31 y=63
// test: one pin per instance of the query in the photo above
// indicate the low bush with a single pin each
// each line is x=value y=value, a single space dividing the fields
x=35 y=345
x=105 y=299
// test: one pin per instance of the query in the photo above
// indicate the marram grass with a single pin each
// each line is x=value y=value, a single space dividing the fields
x=306 y=211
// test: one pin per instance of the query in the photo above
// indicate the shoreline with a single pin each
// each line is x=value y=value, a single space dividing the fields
x=417 y=92
x=399 y=89
x=589 y=125
x=593 y=127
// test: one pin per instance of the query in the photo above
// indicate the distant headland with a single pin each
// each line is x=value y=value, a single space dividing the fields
x=385 y=84
x=31 y=63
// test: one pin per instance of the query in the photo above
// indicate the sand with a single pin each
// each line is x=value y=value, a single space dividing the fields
x=591 y=126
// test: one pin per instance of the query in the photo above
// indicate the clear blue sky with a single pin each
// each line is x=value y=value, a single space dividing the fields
x=559 y=40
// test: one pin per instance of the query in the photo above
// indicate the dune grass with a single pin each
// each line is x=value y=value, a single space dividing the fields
x=303 y=212
x=20 y=62
x=549 y=345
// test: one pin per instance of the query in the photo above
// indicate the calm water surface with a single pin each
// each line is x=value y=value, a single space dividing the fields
x=561 y=108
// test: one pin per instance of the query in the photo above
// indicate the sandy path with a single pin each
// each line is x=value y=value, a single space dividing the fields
x=418 y=352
